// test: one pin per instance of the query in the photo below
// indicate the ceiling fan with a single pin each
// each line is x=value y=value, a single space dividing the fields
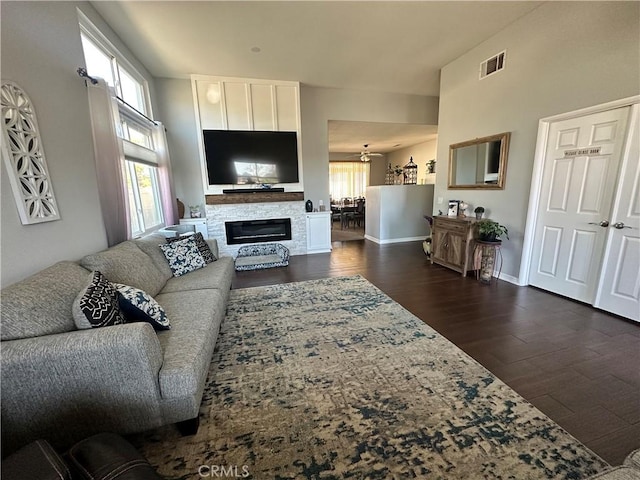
x=365 y=155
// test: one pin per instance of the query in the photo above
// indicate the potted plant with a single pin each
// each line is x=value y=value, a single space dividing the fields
x=398 y=171
x=479 y=211
x=490 y=231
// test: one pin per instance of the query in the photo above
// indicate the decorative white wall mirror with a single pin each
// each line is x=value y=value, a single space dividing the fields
x=24 y=158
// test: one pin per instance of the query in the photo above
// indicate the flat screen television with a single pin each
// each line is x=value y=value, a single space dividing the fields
x=240 y=157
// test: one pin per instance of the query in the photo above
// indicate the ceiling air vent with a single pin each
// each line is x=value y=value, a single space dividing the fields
x=492 y=65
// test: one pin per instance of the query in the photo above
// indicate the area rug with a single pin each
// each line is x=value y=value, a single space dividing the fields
x=331 y=379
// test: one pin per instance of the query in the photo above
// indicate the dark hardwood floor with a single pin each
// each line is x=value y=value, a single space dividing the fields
x=577 y=364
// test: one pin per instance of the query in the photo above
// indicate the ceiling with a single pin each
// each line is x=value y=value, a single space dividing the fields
x=387 y=46
x=381 y=137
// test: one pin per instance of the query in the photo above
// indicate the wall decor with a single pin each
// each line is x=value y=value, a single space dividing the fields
x=480 y=163
x=24 y=158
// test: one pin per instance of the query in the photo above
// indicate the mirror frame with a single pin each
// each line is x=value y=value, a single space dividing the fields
x=502 y=166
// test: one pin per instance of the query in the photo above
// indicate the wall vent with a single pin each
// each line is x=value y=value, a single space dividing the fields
x=492 y=65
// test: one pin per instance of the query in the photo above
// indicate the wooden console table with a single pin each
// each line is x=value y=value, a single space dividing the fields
x=452 y=238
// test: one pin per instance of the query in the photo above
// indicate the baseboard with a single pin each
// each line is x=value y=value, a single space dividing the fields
x=510 y=279
x=393 y=240
x=321 y=250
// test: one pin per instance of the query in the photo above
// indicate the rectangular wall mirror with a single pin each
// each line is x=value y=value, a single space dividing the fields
x=479 y=163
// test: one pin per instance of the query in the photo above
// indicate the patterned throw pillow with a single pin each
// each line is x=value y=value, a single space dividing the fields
x=97 y=304
x=183 y=256
x=203 y=247
x=138 y=306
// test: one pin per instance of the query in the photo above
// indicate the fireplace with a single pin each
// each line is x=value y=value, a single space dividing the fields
x=258 y=231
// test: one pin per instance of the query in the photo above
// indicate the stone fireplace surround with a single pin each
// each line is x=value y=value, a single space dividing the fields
x=219 y=213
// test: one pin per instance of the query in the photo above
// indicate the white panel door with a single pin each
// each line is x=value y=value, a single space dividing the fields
x=619 y=290
x=579 y=178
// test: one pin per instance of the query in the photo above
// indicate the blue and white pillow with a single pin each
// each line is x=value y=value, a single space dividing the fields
x=203 y=247
x=139 y=306
x=183 y=256
x=97 y=304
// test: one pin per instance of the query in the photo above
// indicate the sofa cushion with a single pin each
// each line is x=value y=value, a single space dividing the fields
x=151 y=246
x=97 y=304
x=183 y=256
x=187 y=348
x=201 y=244
x=138 y=306
x=215 y=275
x=41 y=304
x=126 y=263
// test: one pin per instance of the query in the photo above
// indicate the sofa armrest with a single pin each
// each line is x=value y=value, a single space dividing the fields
x=36 y=460
x=213 y=245
x=66 y=386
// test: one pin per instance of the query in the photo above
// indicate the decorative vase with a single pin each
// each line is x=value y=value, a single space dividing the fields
x=180 y=208
x=308 y=206
x=397 y=180
x=479 y=216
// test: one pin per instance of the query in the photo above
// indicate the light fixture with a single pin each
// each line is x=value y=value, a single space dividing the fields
x=213 y=93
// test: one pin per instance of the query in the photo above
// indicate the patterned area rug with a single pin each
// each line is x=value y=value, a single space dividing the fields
x=331 y=379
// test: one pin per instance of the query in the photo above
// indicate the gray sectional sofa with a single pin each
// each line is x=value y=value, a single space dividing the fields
x=63 y=384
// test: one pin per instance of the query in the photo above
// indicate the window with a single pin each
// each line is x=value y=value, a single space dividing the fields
x=348 y=179
x=133 y=126
x=144 y=201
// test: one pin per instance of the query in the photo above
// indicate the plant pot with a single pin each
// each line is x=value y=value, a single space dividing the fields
x=489 y=238
x=479 y=216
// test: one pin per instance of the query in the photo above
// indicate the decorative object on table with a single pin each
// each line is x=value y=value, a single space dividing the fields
x=478 y=211
x=321 y=206
x=453 y=208
x=410 y=171
x=24 y=158
x=431 y=166
x=490 y=231
x=308 y=206
x=389 y=177
x=462 y=208
x=195 y=211
x=397 y=170
x=181 y=208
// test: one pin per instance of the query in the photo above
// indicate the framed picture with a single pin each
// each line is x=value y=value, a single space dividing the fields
x=453 y=208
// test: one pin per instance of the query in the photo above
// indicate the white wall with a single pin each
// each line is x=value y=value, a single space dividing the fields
x=41 y=51
x=561 y=57
x=175 y=105
x=319 y=105
x=421 y=153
